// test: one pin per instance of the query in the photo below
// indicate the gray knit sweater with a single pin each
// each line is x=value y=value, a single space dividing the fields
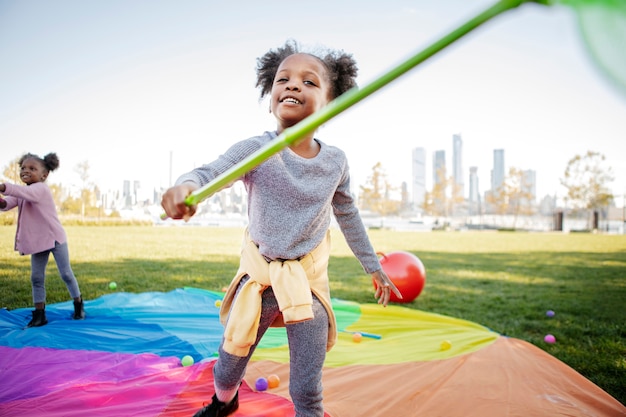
x=290 y=199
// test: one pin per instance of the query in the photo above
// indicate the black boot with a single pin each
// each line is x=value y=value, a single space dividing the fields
x=39 y=318
x=79 y=310
x=218 y=408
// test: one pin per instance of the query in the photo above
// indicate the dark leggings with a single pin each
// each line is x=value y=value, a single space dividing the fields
x=38 y=263
x=307 y=352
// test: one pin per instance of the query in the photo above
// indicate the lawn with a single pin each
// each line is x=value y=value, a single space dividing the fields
x=505 y=281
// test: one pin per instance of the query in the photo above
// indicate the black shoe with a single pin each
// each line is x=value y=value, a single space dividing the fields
x=39 y=318
x=218 y=408
x=79 y=310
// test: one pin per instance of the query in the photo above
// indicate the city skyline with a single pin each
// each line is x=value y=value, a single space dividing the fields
x=475 y=194
x=473 y=174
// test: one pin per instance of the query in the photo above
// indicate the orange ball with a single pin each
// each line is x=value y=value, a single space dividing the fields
x=273 y=381
x=357 y=337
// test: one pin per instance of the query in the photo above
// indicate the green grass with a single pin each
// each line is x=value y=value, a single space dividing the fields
x=505 y=281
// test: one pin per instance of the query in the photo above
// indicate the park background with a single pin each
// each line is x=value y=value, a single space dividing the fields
x=131 y=94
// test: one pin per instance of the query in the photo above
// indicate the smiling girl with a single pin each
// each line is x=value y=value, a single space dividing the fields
x=283 y=273
x=39 y=231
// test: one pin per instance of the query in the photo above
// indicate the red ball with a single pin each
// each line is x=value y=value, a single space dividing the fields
x=407 y=273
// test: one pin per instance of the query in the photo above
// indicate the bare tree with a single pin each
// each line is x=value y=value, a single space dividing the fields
x=519 y=196
x=86 y=191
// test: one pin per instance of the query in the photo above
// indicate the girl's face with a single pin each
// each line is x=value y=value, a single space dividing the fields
x=32 y=171
x=300 y=88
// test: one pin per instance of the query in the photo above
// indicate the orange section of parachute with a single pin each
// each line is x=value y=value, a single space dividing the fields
x=507 y=378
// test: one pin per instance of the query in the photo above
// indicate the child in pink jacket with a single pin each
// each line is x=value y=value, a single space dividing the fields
x=39 y=231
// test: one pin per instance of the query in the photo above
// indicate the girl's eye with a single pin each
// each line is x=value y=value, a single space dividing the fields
x=281 y=80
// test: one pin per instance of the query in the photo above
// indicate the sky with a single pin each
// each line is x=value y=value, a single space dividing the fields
x=145 y=90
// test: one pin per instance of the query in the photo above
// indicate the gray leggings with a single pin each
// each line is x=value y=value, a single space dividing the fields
x=307 y=351
x=38 y=263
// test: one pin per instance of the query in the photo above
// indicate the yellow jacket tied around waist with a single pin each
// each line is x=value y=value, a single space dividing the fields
x=292 y=281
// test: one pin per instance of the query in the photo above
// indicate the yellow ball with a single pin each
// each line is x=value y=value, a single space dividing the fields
x=187 y=360
x=445 y=345
x=218 y=303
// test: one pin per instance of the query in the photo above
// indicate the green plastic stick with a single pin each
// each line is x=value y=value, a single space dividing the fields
x=310 y=124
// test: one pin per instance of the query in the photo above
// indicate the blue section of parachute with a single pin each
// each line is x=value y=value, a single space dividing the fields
x=183 y=320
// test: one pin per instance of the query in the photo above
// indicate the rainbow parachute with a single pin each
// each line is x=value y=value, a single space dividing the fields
x=124 y=359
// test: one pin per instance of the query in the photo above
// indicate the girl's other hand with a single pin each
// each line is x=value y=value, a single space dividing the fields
x=384 y=286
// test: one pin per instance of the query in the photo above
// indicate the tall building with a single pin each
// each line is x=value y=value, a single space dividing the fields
x=497 y=173
x=127 y=194
x=405 y=199
x=439 y=167
x=418 y=171
x=457 y=165
x=474 y=192
x=136 y=187
x=130 y=193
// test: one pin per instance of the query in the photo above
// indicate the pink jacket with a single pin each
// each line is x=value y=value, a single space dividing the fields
x=38 y=225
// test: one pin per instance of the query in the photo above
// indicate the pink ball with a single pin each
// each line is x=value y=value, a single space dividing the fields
x=549 y=339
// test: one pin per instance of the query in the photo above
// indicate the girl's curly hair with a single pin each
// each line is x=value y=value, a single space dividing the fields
x=341 y=68
x=50 y=162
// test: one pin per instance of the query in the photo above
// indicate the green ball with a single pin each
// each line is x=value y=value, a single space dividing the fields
x=186 y=360
x=113 y=285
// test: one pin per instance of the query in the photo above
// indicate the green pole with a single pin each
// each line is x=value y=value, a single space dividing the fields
x=310 y=124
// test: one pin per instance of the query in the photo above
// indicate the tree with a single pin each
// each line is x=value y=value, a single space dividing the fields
x=12 y=171
x=456 y=195
x=586 y=179
x=519 y=196
x=57 y=195
x=497 y=200
x=435 y=203
x=87 y=195
x=11 y=174
x=376 y=193
x=444 y=197
x=514 y=196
